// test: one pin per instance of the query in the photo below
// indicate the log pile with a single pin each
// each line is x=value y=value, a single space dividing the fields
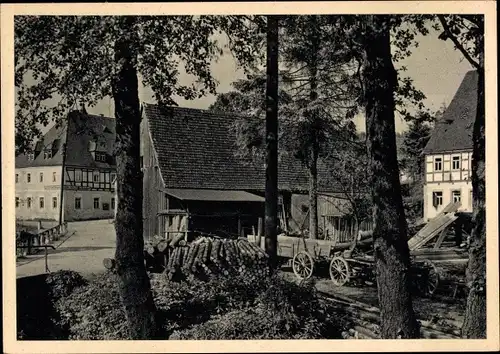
x=365 y=321
x=208 y=256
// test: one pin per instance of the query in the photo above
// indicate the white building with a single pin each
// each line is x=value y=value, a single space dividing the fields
x=88 y=191
x=448 y=154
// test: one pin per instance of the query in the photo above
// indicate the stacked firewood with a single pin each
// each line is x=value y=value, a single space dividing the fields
x=209 y=256
x=365 y=320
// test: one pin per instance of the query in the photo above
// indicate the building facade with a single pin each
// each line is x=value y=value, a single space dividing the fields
x=448 y=154
x=83 y=145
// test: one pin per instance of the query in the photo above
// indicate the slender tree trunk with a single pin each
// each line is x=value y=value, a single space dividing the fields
x=271 y=220
x=135 y=288
x=313 y=163
x=475 y=315
x=392 y=258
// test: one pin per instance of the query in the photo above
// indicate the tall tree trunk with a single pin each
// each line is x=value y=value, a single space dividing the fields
x=272 y=142
x=313 y=193
x=313 y=163
x=135 y=287
x=392 y=258
x=475 y=315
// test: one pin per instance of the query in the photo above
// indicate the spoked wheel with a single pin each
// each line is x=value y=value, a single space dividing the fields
x=303 y=265
x=429 y=282
x=339 y=271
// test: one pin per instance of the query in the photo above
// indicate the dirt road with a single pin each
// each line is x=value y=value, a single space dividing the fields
x=83 y=249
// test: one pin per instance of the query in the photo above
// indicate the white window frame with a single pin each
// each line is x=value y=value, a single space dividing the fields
x=94 y=175
x=436 y=164
x=458 y=161
x=454 y=194
x=98 y=203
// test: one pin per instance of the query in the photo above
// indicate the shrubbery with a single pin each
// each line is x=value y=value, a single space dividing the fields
x=219 y=308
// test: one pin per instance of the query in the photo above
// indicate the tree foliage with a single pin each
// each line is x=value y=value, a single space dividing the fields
x=61 y=61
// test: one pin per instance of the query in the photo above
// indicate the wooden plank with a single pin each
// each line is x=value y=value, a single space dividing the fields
x=440 y=239
x=421 y=239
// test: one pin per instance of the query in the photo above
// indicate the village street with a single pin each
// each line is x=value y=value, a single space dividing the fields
x=82 y=250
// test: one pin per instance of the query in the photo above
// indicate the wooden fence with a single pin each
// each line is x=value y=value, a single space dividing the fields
x=26 y=242
x=342 y=229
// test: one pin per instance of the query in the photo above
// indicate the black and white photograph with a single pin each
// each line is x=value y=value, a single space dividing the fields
x=261 y=174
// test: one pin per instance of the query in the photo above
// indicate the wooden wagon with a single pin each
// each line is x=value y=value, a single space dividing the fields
x=347 y=261
x=430 y=265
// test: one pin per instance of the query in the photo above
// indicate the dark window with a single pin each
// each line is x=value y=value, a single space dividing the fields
x=54 y=202
x=42 y=203
x=28 y=177
x=96 y=203
x=53 y=176
x=41 y=177
x=29 y=202
x=455 y=195
x=105 y=206
x=17 y=177
x=456 y=162
x=113 y=205
x=96 y=177
x=17 y=202
x=78 y=203
x=437 y=199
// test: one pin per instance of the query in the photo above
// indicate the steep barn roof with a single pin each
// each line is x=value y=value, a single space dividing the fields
x=196 y=149
x=454 y=130
x=83 y=129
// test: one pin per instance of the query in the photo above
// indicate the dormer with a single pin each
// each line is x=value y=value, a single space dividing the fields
x=38 y=148
x=97 y=149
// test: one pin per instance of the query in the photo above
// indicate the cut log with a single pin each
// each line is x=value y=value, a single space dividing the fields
x=109 y=263
x=162 y=246
x=176 y=240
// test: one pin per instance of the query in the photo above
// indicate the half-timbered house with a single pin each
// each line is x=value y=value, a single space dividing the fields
x=81 y=150
x=448 y=154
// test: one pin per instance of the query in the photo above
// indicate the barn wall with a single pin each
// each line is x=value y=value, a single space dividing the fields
x=153 y=199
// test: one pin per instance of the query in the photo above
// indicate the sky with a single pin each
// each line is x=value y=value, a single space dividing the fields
x=435 y=66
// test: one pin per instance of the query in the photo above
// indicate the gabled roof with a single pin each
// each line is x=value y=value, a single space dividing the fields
x=83 y=128
x=454 y=130
x=196 y=150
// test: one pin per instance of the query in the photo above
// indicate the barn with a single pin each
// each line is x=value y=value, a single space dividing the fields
x=194 y=183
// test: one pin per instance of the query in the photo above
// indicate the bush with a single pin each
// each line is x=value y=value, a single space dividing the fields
x=37 y=317
x=64 y=282
x=219 y=308
x=95 y=311
x=279 y=310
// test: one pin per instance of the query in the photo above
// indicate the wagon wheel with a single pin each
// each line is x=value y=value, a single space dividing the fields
x=303 y=265
x=430 y=282
x=339 y=271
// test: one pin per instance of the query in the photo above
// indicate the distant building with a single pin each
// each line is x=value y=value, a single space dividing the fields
x=88 y=191
x=448 y=154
